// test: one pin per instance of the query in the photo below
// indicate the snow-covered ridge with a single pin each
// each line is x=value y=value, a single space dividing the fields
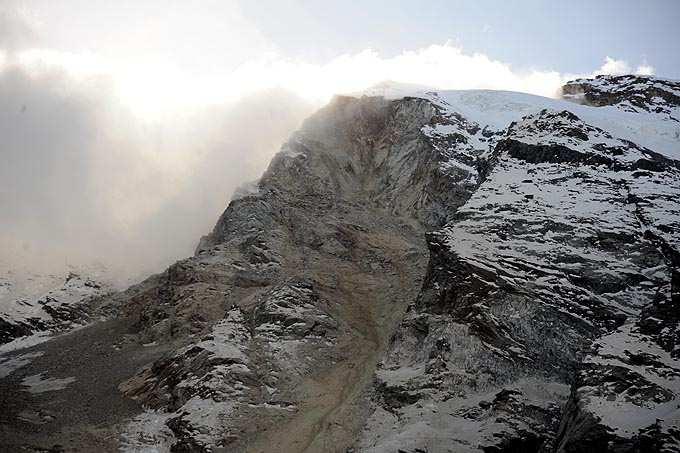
x=631 y=93
x=494 y=111
x=62 y=307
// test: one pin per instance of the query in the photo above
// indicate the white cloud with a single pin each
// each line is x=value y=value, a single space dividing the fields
x=159 y=86
x=612 y=66
x=16 y=31
x=645 y=69
x=155 y=87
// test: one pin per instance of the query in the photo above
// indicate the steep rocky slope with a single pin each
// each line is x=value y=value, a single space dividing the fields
x=415 y=272
x=547 y=287
x=316 y=269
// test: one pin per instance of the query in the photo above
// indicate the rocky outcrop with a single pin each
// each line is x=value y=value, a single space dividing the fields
x=628 y=92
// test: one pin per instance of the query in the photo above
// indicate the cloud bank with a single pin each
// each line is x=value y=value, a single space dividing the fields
x=83 y=180
x=612 y=66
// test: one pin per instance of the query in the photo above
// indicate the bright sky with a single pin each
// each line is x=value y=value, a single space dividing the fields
x=162 y=54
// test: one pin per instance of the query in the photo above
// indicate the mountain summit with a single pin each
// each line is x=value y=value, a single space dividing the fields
x=416 y=271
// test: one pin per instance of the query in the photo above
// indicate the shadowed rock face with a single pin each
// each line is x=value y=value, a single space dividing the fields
x=409 y=276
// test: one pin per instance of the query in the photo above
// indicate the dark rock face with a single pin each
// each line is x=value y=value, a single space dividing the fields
x=433 y=273
x=10 y=331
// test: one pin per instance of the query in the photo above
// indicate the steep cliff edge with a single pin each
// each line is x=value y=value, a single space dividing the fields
x=442 y=271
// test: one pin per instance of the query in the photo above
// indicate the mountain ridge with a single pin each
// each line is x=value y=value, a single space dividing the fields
x=429 y=271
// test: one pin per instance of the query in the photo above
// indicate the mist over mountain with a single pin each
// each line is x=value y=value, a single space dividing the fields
x=85 y=181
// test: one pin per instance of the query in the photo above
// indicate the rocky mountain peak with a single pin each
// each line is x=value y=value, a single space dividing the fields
x=419 y=271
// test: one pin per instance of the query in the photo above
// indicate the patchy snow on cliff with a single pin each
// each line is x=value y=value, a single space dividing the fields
x=60 y=308
x=495 y=110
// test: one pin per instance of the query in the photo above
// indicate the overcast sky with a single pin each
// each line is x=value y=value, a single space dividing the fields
x=127 y=124
x=567 y=36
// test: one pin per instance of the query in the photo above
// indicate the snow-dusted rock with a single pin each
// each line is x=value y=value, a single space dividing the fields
x=64 y=306
x=547 y=318
x=633 y=93
x=568 y=240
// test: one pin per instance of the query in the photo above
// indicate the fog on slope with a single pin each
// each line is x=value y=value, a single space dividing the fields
x=84 y=180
